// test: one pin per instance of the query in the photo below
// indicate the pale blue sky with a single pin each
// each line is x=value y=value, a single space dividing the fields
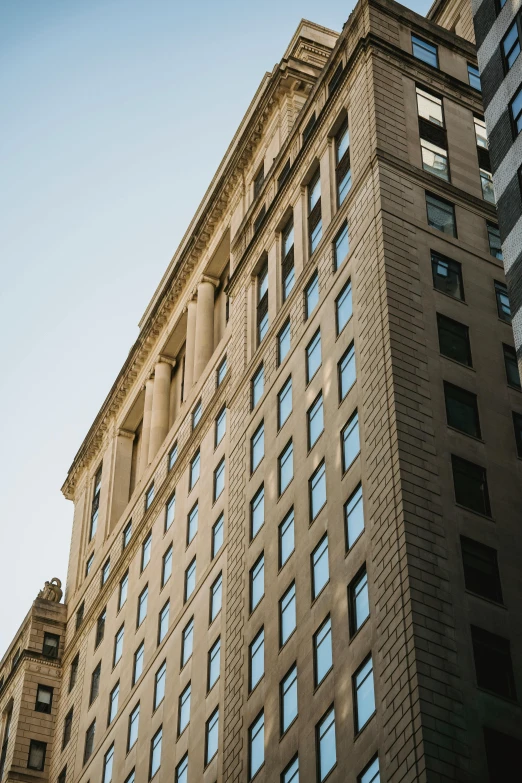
x=115 y=115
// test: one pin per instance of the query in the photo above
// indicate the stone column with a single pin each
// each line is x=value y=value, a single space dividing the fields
x=204 y=347
x=122 y=475
x=145 y=429
x=190 y=347
x=159 y=420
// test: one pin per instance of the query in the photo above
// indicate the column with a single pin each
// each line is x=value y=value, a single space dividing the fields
x=326 y=185
x=189 y=347
x=122 y=475
x=204 y=343
x=159 y=420
x=145 y=429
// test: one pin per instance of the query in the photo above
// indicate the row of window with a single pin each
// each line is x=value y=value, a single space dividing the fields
x=428 y=53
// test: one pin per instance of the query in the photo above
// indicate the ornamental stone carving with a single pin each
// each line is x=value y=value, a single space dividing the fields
x=52 y=591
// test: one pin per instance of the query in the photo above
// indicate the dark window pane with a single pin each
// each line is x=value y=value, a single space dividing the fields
x=503 y=753
x=493 y=665
x=441 y=215
x=481 y=575
x=495 y=245
x=471 y=486
x=511 y=364
x=447 y=276
x=517 y=424
x=454 y=340
x=462 y=410
x=503 y=306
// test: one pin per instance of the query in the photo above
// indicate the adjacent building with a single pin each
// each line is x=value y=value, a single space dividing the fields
x=295 y=550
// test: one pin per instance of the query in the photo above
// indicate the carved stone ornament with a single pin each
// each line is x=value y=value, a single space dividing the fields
x=52 y=591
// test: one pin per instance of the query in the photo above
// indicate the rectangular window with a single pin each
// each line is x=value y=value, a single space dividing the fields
x=106 y=569
x=124 y=585
x=258 y=385
x=481 y=574
x=313 y=356
x=113 y=703
x=73 y=675
x=309 y=128
x=317 y=490
x=283 y=343
x=291 y=772
x=192 y=522
x=221 y=371
x=257 y=512
x=194 y=470
x=323 y=658
x=256 y=659
x=257 y=582
x=447 y=276
x=454 y=340
x=217 y=535
x=182 y=770
x=62 y=777
x=88 y=564
x=67 y=728
x=166 y=568
x=511 y=365
x=190 y=580
x=134 y=721
x=258 y=181
x=364 y=695
x=315 y=224
x=212 y=736
x=441 y=215
x=284 y=403
x=429 y=107
x=257 y=446
x=262 y=302
x=79 y=615
x=287 y=615
x=320 y=570
x=462 y=410
x=287 y=266
x=44 y=699
x=95 y=683
x=350 y=443
x=434 y=156
x=95 y=504
x=197 y=412
x=89 y=742
x=219 y=479
x=503 y=753
x=216 y=592
x=286 y=538
x=100 y=628
x=358 y=601
x=511 y=45
x=159 y=684
x=221 y=426
x=107 y=765
x=343 y=307
x=285 y=467
x=424 y=51
x=517 y=424
x=471 y=486
x=315 y=420
x=187 y=642
x=127 y=535
x=288 y=698
x=145 y=551
x=311 y=295
x=503 y=306
x=495 y=245
x=335 y=81
x=325 y=741
x=149 y=496
x=474 y=77
x=354 y=515
x=163 y=621
x=256 y=745
x=343 y=173
x=173 y=455
x=155 y=753
x=285 y=171
x=516 y=111
x=137 y=667
x=37 y=753
x=184 y=709
x=214 y=663
x=142 y=606
x=493 y=665
x=341 y=246
x=371 y=773
x=486 y=182
x=481 y=136
x=346 y=372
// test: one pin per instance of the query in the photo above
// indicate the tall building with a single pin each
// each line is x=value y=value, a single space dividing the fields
x=296 y=539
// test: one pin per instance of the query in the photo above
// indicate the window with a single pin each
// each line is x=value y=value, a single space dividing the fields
x=471 y=486
x=429 y=107
x=95 y=504
x=196 y=414
x=462 y=410
x=354 y=515
x=262 y=302
x=142 y=606
x=215 y=598
x=503 y=306
x=343 y=173
x=79 y=615
x=435 y=160
x=481 y=136
x=493 y=666
x=291 y=772
x=190 y=580
x=286 y=467
x=73 y=676
x=441 y=215
x=182 y=770
x=283 y=343
x=50 y=646
x=323 y=660
x=95 y=683
x=285 y=171
x=315 y=420
x=313 y=356
x=194 y=470
x=320 y=571
x=447 y=276
x=503 y=754
x=187 y=641
x=486 y=182
x=315 y=224
x=100 y=628
x=317 y=490
x=358 y=601
x=159 y=684
x=106 y=569
x=163 y=622
x=149 y=496
x=311 y=295
x=517 y=424
x=217 y=535
x=89 y=742
x=481 y=574
x=325 y=740
x=341 y=246
x=258 y=181
x=350 y=441
x=511 y=365
x=214 y=663
x=258 y=385
x=67 y=728
x=371 y=774
x=474 y=77
x=287 y=266
x=284 y=403
x=343 y=307
x=134 y=720
x=127 y=534
x=124 y=584
x=346 y=372
x=166 y=568
x=221 y=426
x=145 y=551
x=88 y=564
x=257 y=582
x=155 y=753
x=221 y=371
x=184 y=709
x=454 y=340
x=309 y=128
x=118 y=646
x=287 y=615
x=495 y=245
x=107 y=765
x=288 y=697
x=424 y=51
x=256 y=659
x=516 y=111
x=62 y=777
x=173 y=455
x=335 y=81
x=433 y=140
x=219 y=479
x=256 y=745
x=37 y=752
x=44 y=699
x=286 y=538
x=257 y=446
x=192 y=523
x=211 y=736
x=364 y=696
x=113 y=703
x=137 y=667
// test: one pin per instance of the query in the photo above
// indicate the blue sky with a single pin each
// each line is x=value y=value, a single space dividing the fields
x=115 y=115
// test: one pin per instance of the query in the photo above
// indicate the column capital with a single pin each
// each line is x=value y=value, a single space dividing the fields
x=123 y=433
x=191 y=299
x=166 y=359
x=209 y=279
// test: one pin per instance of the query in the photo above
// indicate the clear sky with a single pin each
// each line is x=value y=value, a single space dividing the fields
x=115 y=115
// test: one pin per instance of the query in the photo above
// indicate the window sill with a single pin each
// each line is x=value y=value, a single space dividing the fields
x=286 y=561
x=356 y=633
x=350 y=549
x=312 y=520
x=507 y=699
x=487 y=600
x=360 y=731
x=476 y=513
x=466 y=434
x=284 y=734
x=316 y=687
x=347 y=469
x=450 y=296
x=312 y=447
x=258 y=683
x=281 y=494
x=282 y=646
x=459 y=364
x=319 y=594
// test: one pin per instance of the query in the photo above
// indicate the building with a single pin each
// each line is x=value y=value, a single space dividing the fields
x=295 y=548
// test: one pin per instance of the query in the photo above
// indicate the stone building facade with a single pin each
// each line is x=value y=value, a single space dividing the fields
x=295 y=550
